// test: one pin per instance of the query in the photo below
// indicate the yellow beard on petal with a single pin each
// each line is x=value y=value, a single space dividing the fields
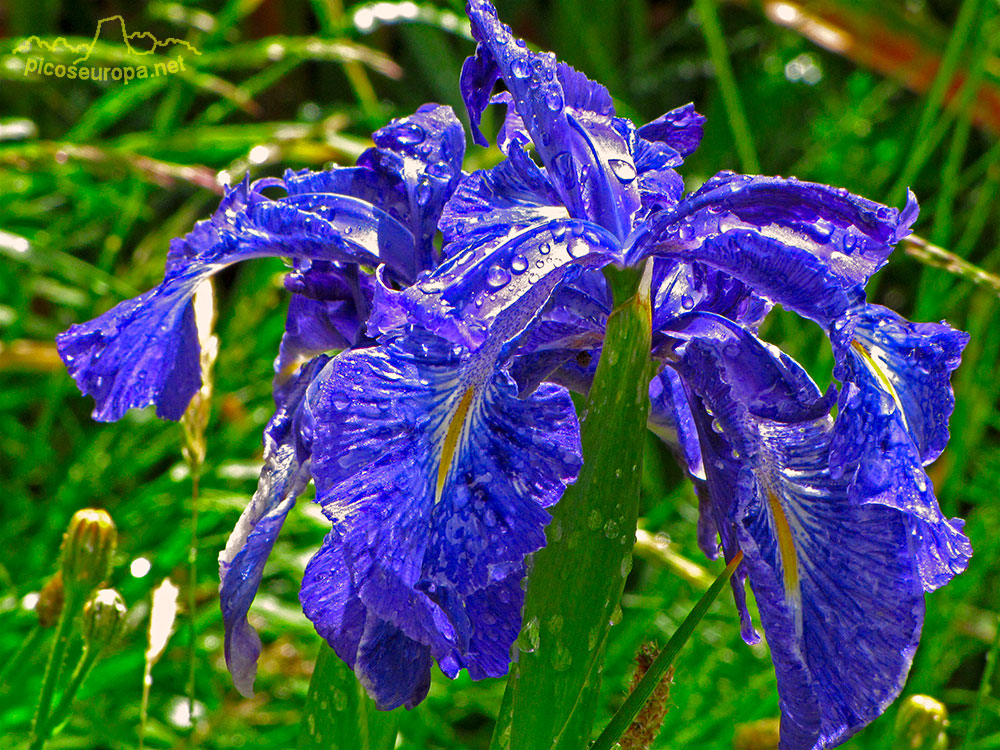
x=451 y=438
x=786 y=548
x=874 y=366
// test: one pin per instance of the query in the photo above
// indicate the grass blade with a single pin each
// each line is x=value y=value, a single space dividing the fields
x=637 y=698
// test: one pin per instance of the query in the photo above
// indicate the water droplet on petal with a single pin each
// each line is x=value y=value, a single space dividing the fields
x=624 y=169
x=519 y=264
x=554 y=99
x=497 y=278
x=409 y=133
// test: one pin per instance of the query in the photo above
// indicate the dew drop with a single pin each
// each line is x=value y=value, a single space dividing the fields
x=624 y=170
x=409 y=133
x=497 y=278
x=527 y=641
x=519 y=264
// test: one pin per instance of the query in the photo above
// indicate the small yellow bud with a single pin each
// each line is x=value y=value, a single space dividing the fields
x=103 y=615
x=87 y=549
x=50 y=601
x=921 y=724
x=757 y=735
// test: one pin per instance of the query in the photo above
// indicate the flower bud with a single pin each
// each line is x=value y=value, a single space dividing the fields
x=50 y=601
x=103 y=615
x=920 y=724
x=87 y=548
x=757 y=735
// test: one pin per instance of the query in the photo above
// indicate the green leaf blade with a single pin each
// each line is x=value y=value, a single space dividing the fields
x=576 y=582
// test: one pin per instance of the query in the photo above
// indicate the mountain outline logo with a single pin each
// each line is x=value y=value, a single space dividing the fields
x=85 y=49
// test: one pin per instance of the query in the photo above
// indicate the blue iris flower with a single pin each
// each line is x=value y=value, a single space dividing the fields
x=443 y=429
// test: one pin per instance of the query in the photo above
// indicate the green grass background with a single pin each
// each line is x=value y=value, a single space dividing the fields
x=98 y=178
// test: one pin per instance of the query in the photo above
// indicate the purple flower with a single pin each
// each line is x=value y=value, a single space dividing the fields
x=443 y=429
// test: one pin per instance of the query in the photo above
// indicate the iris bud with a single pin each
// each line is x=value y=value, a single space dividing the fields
x=50 y=601
x=87 y=549
x=103 y=615
x=920 y=724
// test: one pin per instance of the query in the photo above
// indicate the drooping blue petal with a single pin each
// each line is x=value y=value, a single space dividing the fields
x=287 y=447
x=836 y=235
x=671 y=420
x=912 y=362
x=835 y=582
x=144 y=351
x=436 y=476
x=893 y=419
x=392 y=667
x=395 y=670
x=570 y=119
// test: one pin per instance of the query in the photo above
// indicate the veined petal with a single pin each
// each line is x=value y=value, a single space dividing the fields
x=783 y=274
x=421 y=158
x=436 y=476
x=145 y=350
x=893 y=419
x=241 y=564
x=142 y=351
x=570 y=119
x=850 y=236
x=912 y=362
x=835 y=581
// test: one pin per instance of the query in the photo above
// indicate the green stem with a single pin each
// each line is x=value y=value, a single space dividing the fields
x=14 y=665
x=567 y=616
x=984 y=688
x=80 y=674
x=53 y=667
x=716 y=42
x=637 y=699
x=191 y=589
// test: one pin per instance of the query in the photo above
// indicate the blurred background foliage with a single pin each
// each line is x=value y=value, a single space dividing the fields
x=95 y=178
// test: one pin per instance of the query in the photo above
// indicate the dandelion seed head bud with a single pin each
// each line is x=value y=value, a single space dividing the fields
x=921 y=724
x=87 y=549
x=103 y=616
x=50 y=601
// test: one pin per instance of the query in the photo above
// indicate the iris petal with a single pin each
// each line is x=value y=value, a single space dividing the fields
x=835 y=582
x=241 y=564
x=423 y=555
x=849 y=236
x=893 y=419
x=570 y=119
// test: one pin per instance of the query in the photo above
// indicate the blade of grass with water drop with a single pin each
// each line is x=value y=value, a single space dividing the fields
x=338 y=712
x=576 y=582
